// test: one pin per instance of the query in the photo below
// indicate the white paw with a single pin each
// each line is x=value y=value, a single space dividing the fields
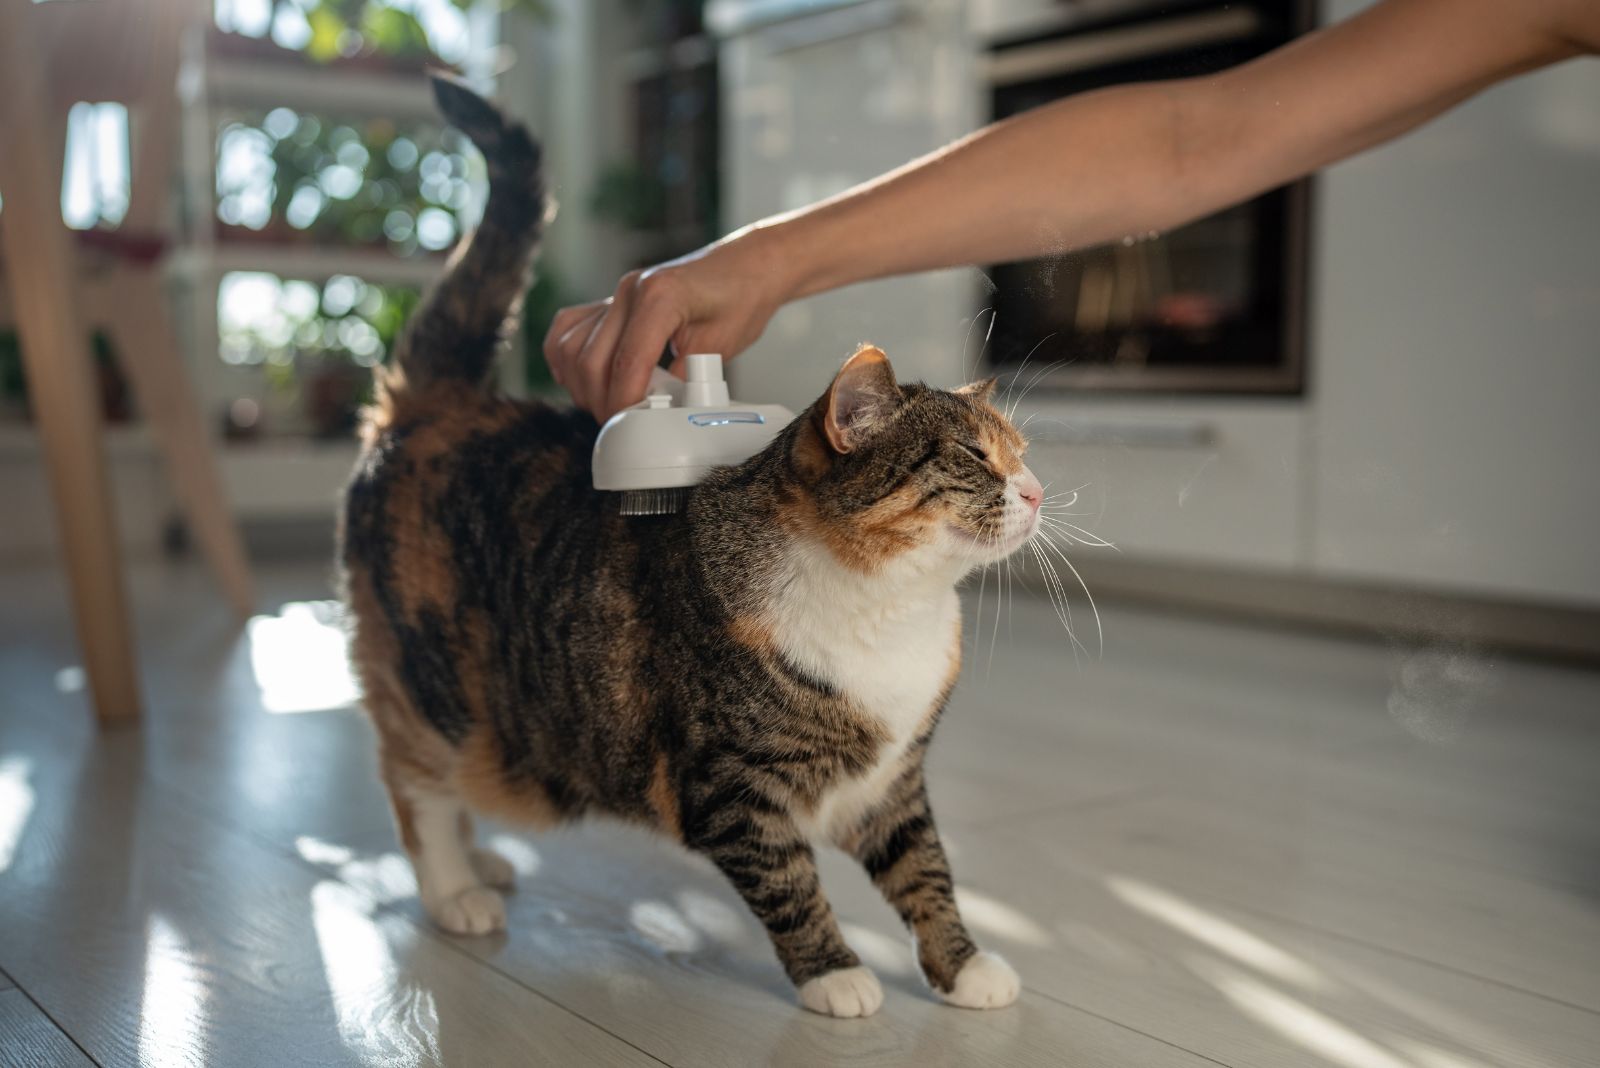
x=493 y=869
x=984 y=982
x=474 y=911
x=846 y=992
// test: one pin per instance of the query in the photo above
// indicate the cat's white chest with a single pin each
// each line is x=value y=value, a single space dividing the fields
x=888 y=650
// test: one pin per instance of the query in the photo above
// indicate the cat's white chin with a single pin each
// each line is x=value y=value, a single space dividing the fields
x=977 y=551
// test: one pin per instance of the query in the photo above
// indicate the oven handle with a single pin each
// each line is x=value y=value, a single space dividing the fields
x=1084 y=51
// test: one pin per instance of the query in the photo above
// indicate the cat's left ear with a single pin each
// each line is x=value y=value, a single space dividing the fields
x=979 y=391
x=863 y=393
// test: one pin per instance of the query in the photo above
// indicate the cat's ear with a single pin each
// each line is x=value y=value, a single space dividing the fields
x=979 y=391
x=863 y=393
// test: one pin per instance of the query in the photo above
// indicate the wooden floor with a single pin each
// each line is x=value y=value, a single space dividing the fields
x=1220 y=844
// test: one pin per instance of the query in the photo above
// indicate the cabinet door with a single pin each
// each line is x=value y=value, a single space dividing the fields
x=813 y=105
x=1194 y=482
x=1456 y=349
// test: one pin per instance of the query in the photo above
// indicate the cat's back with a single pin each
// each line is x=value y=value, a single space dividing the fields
x=436 y=489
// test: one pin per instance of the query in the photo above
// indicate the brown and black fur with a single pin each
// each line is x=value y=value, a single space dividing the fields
x=527 y=650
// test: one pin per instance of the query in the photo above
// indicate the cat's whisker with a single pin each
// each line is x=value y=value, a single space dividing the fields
x=967 y=340
x=1023 y=366
x=1053 y=500
x=1034 y=381
x=1077 y=533
x=1099 y=629
x=999 y=595
x=1052 y=576
x=1056 y=594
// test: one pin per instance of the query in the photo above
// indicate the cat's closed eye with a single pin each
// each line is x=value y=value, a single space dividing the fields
x=983 y=457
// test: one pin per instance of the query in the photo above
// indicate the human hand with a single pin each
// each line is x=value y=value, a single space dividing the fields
x=717 y=299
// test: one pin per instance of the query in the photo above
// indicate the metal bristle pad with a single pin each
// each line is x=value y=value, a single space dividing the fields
x=654 y=501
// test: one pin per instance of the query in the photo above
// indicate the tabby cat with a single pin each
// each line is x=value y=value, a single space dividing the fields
x=758 y=673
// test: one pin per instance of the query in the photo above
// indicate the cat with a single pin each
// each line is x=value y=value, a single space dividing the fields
x=758 y=673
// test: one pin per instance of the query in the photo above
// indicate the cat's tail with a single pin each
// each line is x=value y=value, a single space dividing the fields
x=457 y=331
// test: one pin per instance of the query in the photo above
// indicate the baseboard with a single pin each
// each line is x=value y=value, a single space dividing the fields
x=1552 y=631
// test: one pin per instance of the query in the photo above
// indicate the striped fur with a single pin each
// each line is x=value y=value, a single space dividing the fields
x=759 y=673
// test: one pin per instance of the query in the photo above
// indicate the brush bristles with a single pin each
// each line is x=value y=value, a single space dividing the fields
x=654 y=501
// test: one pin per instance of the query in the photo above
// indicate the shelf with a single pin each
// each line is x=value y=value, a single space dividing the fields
x=311 y=263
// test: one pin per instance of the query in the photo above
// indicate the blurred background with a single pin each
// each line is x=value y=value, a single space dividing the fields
x=1377 y=380
x=1324 y=796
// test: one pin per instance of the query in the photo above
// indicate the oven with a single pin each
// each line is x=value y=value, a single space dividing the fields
x=1216 y=306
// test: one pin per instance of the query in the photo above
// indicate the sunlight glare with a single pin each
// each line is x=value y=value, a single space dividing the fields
x=1216 y=932
x=173 y=1001
x=381 y=1018
x=1427 y=1056
x=715 y=918
x=382 y=877
x=663 y=927
x=16 y=805
x=891 y=956
x=523 y=857
x=999 y=919
x=1295 y=1020
x=317 y=851
x=299 y=659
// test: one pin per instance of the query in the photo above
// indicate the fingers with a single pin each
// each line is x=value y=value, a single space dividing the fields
x=654 y=316
x=602 y=352
x=564 y=341
x=591 y=377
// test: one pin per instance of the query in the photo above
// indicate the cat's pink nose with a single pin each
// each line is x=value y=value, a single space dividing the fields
x=1029 y=490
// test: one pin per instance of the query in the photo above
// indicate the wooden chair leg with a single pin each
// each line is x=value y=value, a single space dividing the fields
x=37 y=255
x=136 y=310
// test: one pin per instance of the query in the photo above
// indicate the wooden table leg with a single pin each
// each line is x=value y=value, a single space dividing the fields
x=55 y=350
x=137 y=311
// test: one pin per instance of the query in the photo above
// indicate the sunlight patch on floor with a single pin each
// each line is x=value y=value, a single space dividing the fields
x=16 y=804
x=524 y=859
x=172 y=1003
x=1216 y=932
x=382 y=1019
x=716 y=918
x=300 y=658
x=663 y=927
x=999 y=919
x=1295 y=1020
x=892 y=956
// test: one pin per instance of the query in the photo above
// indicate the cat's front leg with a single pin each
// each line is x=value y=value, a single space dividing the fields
x=899 y=846
x=762 y=852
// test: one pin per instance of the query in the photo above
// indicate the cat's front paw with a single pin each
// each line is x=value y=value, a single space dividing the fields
x=846 y=992
x=984 y=982
x=476 y=910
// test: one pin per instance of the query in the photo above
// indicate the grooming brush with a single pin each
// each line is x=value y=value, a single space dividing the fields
x=653 y=452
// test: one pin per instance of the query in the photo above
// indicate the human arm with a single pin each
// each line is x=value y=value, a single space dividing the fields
x=1075 y=173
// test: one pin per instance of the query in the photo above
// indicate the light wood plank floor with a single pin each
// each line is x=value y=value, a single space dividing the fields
x=1219 y=844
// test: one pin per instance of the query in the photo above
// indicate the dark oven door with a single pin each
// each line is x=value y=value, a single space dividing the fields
x=1216 y=306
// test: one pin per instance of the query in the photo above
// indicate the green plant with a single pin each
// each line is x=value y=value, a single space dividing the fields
x=630 y=195
x=263 y=319
x=358 y=182
x=544 y=298
x=326 y=30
